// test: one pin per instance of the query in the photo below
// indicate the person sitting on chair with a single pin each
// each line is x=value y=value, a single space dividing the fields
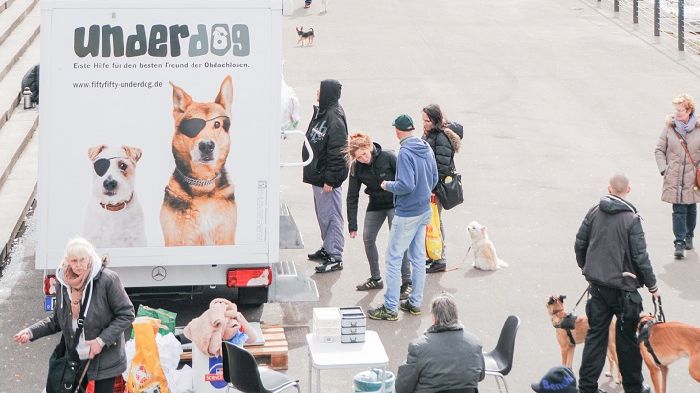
x=431 y=365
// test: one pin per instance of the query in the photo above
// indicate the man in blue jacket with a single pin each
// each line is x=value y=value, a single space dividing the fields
x=416 y=176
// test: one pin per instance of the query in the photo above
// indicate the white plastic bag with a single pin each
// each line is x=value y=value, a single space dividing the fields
x=290 y=108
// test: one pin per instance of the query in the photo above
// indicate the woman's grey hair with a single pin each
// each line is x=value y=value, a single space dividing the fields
x=444 y=310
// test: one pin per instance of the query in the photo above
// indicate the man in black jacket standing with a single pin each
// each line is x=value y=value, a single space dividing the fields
x=328 y=136
x=611 y=251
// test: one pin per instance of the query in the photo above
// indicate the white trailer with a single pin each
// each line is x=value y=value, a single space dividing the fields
x=160 y=142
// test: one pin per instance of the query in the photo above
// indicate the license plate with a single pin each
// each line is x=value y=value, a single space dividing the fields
x=49 y=303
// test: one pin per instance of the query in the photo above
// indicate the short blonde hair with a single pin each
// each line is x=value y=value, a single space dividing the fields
x=79 y=247
x=356 y=142
x=686 y=100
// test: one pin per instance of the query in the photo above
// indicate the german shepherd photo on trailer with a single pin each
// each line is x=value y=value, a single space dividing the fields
x=199 y=206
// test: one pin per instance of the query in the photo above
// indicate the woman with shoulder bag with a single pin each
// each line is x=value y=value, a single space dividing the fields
x=677 y=154
x=86 y=288
x=445 y=143
x=370 y=166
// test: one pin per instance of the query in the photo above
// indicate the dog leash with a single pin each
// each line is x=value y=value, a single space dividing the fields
x=585 y=291
x=82 y=376
x=659 y=315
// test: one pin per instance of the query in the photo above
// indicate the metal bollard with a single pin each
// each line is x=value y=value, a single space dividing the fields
x=617 y=5
x=635 y=11
x=27 y=98
x=657 y=17
x=681 y=25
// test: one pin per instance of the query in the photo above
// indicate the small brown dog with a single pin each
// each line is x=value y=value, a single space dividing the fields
x=669 y=341
x=305 y=36
x=569 y=338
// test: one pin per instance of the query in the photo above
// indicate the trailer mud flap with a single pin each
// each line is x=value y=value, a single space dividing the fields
x=290 y=237
x=288 y=286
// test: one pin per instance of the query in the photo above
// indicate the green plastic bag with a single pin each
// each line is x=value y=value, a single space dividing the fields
x=167 y=318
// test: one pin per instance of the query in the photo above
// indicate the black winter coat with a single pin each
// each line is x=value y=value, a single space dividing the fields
x=445 y=143
x=328 y=136
x=611 y=249
x=382 y=167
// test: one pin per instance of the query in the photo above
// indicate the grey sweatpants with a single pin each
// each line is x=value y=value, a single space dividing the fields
x=373 y=222
x=329 y=214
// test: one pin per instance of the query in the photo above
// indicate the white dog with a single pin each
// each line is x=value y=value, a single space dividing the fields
x=324 y=4
x=114 y=216
x=485 y=257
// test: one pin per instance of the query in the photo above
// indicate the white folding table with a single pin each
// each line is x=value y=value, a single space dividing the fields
x=323 y=356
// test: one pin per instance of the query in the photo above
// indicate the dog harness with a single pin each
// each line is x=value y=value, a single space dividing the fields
x=116 y=207
x=567 y=329
x=643 y=335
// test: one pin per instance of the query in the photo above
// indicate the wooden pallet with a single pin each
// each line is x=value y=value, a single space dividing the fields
x=273 y=354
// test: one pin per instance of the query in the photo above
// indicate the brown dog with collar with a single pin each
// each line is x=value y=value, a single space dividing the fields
x=569 y=338
x=199 y=206
x=669 y=341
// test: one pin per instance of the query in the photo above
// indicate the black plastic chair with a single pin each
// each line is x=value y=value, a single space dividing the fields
x=241 y=371
x=500 y=361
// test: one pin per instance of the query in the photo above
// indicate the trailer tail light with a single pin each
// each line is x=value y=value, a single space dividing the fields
x=49 y=284
x=257 y=277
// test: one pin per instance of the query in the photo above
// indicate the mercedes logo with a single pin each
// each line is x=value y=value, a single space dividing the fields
x=158 y=273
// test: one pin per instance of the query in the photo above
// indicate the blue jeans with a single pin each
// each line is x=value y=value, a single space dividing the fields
x=407 y=233
x=684 y=219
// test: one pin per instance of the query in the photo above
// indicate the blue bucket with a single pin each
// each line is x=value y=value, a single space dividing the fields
x=370 y=381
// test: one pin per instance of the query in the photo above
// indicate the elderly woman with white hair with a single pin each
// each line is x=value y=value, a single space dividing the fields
x=85 y=286
x=431 y=365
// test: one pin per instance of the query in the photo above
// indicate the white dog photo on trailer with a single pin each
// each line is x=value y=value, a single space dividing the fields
x=485 y=257
x=114 y=216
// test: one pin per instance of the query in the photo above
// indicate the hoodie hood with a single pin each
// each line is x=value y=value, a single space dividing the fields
x=612 y=204
x=329 y=95
x=96 y=268
x=416 y=146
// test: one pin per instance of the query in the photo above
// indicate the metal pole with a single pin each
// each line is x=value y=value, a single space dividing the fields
x=635 y=11
x=617 y=5
x=681 y=25
x=657 y=17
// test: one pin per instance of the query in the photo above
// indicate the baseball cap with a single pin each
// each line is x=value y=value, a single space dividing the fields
x=557 y=380
x=404 y=123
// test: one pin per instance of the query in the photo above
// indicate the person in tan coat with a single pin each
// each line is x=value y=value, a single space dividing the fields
x=678 y=170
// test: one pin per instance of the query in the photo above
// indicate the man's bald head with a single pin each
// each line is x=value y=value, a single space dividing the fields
x=619 y=185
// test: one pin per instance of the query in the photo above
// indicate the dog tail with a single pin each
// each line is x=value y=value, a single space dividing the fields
x=501 y=263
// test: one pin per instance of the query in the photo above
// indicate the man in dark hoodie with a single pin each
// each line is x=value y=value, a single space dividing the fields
x=611 y=250
x=328 y=136
x=416 y=176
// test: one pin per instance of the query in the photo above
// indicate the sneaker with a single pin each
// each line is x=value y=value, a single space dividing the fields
x=382 y=313
x=370 y=284
x=407 y=306
x=319 y=255
x=436 y=267
x=689 y=243
x=679 y=251
x=330 y=265
x=406 y=289
x=428 y=262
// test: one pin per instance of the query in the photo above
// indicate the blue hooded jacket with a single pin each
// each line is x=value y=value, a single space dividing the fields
x=416 y=176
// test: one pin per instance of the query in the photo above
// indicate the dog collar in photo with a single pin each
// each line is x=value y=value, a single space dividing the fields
x=115 y=207
x=197 y=182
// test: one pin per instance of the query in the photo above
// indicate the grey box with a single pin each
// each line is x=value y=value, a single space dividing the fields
x=353 y=330
x=352 y=338
x=352 y=317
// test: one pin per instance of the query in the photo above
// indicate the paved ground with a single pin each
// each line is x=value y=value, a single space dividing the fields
x=554 y=98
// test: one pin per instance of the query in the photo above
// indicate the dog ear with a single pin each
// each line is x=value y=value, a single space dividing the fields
x=561 y=298
x=93 y=152
x=551 y=300
x=483 y=230
x=181 y=100
x=133 y=152
x=225 y=96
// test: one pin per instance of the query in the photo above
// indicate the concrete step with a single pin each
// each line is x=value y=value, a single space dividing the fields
x=13 y=16
x=17 y=43
x=17 y=195
x=11 y=84
x=14 y=136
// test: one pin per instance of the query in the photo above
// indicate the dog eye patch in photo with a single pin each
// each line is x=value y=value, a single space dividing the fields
x=103 y=164
x=192 y=127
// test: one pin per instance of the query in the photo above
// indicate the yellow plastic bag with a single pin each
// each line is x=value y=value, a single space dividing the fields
x=433 y=238
x=145 y=372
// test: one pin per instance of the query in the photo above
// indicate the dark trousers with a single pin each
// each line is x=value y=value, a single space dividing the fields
x=602 y=305
x=684 y=219
x=373 y=222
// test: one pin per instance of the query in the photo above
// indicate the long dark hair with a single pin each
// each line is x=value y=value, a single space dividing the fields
x=435 y=115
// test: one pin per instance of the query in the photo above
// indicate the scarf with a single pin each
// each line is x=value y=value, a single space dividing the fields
x=76 y=284
x=685 y=128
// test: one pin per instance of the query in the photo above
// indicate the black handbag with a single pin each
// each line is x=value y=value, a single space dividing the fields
x=66 y=370
x=450 y=193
